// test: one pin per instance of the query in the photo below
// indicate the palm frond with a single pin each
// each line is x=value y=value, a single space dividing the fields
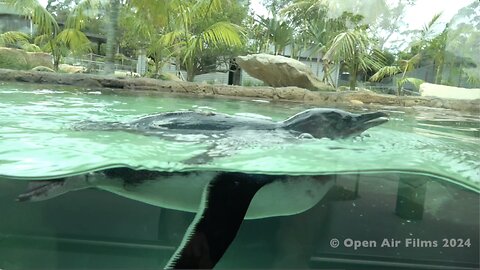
x=13 y=37
x=428 y=27
x=205 y=8
x=346 y=44
x=409 y=65
x=31 y=48
x=86 y=9
x=170 y=38
x=222 y=33
x=158 y=9
x=41 y=39
x=386 y=71
x=75 y=40
x=32 y=9
x=371 y=61
x=416 y=82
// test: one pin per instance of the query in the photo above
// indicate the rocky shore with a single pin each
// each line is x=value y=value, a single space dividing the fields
x=295 y=94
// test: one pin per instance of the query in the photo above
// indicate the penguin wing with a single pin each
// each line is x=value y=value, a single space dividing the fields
x=225 y=202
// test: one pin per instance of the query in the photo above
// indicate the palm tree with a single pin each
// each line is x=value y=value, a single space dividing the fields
x=353 y=48
x=278 y=32
x=404 y=66
x=316 y=28
x=12 y=38
x=193 y=32
x=57 y=42
x=422 y=44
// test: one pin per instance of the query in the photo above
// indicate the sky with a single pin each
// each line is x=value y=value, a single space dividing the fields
x=417 y=16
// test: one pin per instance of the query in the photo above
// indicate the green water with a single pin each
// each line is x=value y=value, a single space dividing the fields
x=37 y=139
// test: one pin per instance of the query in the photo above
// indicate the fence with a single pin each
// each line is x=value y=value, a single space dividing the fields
x=96 y=63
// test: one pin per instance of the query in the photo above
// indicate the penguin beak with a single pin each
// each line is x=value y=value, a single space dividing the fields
x=368 y=120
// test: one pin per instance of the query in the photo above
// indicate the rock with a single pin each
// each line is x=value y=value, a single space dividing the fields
x=444 y=91
x=153 y=86
x=43 y=69
x=356 y=102
x=71 y=69
x=35 y=59
x=279 y=71
x=13 y=58
x=167 y=76
x=124 y=73
x=20 y=59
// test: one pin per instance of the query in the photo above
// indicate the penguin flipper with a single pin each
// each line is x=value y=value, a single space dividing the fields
x=42 y=190
x=224 y=204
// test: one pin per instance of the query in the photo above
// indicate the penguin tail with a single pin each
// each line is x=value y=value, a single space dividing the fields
x=46 y=189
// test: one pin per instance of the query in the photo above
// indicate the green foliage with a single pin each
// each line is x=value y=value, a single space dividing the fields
x=195 y=33
x=14 y=39
x=32 y=9
x=202 y=31
x=386 y=71
x=13 y=59
x=402 y=81
x=60 y=8
x=250 y=83
x=354 y=48
x=49 y=37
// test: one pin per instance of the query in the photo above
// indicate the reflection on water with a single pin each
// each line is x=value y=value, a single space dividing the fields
x=94 y=229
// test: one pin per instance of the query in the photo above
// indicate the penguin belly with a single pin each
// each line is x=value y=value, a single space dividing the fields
x=286 y=196
x=289 y=196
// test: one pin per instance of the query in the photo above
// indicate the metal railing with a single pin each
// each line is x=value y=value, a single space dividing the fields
x=95 y=63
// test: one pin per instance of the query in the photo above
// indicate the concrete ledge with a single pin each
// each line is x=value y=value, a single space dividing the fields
x=452 y=92
x=351 y=98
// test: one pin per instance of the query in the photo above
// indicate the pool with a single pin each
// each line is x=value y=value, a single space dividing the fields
x=414 y=179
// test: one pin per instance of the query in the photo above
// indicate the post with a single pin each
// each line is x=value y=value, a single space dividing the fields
x=411 y=197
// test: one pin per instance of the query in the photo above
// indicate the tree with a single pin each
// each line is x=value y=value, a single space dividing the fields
x=403 y=67
x=49 y=36
x=418 y=48
x=194 y=32
x=277 y=32
x=462 y=57
x=14 y=39
x=144 y=24
x=353 y=47
x=60 y=9
x=112 y=28
x=317 y=27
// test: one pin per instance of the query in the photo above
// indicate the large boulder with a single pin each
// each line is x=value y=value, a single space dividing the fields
x=280 y=71
x=65 y=68
x=43 y=69
x=13 y=58
x=444 y=91
x=35 y=59
x=19 y=59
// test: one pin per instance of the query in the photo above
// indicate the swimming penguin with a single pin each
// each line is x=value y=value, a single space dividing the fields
x=224 y=134
x=221 y=200
x=317 y=122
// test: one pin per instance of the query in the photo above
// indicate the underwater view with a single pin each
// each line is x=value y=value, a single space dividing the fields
x=386 y=198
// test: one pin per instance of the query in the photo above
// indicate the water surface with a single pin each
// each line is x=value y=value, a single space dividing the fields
x=37 y=139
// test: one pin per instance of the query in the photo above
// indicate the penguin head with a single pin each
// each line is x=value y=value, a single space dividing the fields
x=333 y=123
